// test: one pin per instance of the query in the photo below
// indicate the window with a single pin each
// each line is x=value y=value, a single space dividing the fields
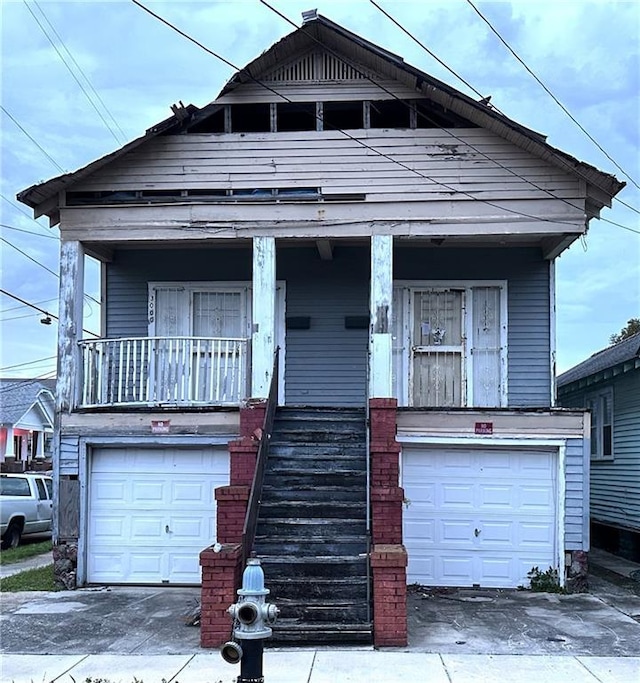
x=601 y=406
x=42 y=491
x=14 y=486
x=450 y=344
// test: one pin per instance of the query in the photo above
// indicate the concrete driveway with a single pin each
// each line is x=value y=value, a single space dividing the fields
x=151 y=621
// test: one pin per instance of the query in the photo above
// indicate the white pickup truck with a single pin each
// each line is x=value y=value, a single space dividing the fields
x=26 y=506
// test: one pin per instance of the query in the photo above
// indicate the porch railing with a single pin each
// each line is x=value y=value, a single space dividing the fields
x=181 y=371
x=255 y=496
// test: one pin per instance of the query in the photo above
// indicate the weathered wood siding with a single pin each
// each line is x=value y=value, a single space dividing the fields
x=615 y=484
x=470 y=160
x=527 y=275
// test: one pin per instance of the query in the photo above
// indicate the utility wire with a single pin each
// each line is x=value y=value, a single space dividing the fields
x=86 y=78
x=428 y=51
x=75 y=78
x=461 y=140
x=22 y=365
x=24 y=253
x=553 y=97
x=446 y=66
x=21 y=210
x=445 y=130
x=41 y=310
x=352 y=137
x=15 y=308
x=35 y=142
x=29 y=232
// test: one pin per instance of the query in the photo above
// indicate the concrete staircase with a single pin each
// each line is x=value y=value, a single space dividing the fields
x=311 y=534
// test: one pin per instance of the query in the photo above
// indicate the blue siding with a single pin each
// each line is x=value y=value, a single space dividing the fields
x=327 y=363
x=615 y=484
x=576 y=520
x=68 y=458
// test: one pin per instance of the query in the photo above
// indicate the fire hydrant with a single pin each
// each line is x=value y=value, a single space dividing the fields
x=252 y=618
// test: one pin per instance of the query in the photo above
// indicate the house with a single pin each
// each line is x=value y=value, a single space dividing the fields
x=608 y=385
x=26 y=424
x=342 y=236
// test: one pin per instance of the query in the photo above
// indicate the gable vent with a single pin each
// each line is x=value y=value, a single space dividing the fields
x=316 y=67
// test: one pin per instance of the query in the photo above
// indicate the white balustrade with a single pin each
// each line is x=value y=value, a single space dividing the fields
x=184 y=371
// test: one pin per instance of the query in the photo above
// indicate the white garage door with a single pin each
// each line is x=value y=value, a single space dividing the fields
x=151 y=512
x=478 y=517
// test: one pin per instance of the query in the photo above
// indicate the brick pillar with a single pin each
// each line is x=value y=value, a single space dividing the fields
x=388 y=564
x=222 y=571
x=230 y=512
x=388 y=557
x=221 y=576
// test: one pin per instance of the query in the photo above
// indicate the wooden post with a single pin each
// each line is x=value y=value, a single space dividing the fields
x=70 y=323
x=264 y=315
x=381 y=296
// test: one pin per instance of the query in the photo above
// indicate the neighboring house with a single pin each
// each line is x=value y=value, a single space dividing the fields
x=396 y=240
x=608 y=385
x=27 y=409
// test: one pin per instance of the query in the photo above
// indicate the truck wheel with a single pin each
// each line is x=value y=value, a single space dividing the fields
x=11 y=537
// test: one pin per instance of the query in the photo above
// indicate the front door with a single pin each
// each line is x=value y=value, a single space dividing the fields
x=437 y=376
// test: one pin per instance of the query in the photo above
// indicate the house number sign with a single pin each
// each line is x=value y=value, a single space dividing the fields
x=484 y=428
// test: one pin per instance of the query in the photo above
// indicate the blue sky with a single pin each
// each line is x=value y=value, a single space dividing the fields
x=587 y=53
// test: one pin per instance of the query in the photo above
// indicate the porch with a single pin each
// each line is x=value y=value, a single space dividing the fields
x=163 y=371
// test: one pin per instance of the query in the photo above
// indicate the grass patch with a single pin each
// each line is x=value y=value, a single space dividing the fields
x=40 y=579
x=22 y=552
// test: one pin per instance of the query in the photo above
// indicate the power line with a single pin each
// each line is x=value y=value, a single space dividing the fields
x=553 y=97
x=619 y=225
x=352 y=137
x=445 y=130
x=38 y=263
x=29 y=232
x=24 y=253
x=427 y=50
x=400 y=26
x=41 y=310
x=86 y=78
x=75 y=78
x=35 y=142
x=31 y=362
x=15 y=308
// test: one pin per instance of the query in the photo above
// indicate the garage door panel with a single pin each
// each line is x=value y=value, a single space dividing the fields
x=146 y=528
x=455 y=568
x=147 y=491
x=455 y=531
x=166 y=513
x=493 y=512
x=456 y=496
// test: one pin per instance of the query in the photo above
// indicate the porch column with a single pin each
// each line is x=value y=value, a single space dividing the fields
x=10 y=446
x=69 y=323
x=39 y=451
x=264 y=315
x=381 y=296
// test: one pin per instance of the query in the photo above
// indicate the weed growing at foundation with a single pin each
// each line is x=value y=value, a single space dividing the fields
x=545 y=582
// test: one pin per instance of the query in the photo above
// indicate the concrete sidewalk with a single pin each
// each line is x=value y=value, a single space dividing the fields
x=322 y=666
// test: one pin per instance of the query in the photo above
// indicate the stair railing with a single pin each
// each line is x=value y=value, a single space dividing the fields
x=255 y=496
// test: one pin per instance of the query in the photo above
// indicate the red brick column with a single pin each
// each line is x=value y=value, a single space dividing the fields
x=230 y=512
x=221 y=576
x=222 y=571
x=388 y=564
x=386 y=514
x=389 y=557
